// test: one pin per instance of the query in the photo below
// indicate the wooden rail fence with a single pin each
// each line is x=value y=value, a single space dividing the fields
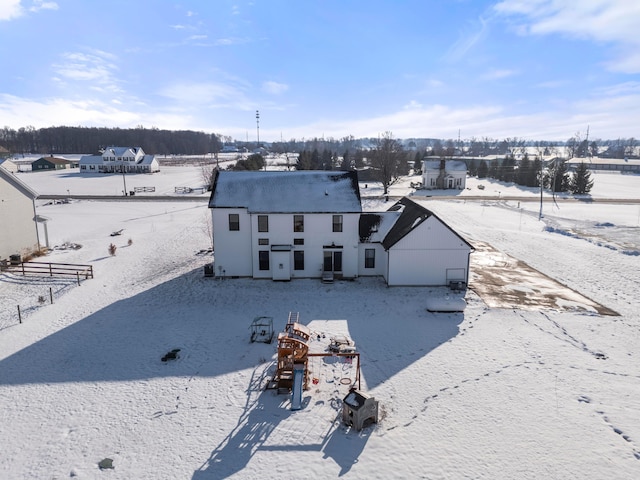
x=49 y=269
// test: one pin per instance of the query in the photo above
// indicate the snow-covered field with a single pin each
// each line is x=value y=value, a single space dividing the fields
x=488 y=393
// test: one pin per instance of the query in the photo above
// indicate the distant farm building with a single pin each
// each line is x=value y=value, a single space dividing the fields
x=52 y=163
x=606 y=164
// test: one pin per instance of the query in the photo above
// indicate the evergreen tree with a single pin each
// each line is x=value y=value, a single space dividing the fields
x=472 y=167
x=559 y=178
x=527 y=172
x=253 y=162
x=483 y=169
x=507 y=172
x=536 y=172
x=358 y=159
x=315 y=160
x=304 y=161
x=494 y=169
x=345 y=165
x=417 y=164
x=581 y=181
x=326 y=161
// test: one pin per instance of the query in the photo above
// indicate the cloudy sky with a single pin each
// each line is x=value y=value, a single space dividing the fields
x=536 y=69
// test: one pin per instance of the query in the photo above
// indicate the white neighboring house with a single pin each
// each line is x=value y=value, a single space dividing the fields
x=444 y=174
x=309 y=224
x=19 y=231
x=114 y=159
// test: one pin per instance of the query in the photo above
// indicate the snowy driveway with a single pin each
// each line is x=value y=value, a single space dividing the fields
x=506 y=282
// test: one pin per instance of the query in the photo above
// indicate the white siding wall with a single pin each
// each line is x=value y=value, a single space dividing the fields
x=424 y=256
x=232 y=249
x=380 y=260
x=18 y=232
x=317 y=233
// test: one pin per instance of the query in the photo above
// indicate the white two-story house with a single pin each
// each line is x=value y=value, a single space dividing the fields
x=310 y=224
x=117 y=159
x=444 y=174
x=282 y=225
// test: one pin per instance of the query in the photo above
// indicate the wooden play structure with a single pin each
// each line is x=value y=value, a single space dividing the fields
x=293 y=350
x=293 y=357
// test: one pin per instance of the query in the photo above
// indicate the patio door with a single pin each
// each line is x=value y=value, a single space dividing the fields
x=333 y=261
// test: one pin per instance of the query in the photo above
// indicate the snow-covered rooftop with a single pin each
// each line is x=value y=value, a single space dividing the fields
x=450 y=165
x=287 y=192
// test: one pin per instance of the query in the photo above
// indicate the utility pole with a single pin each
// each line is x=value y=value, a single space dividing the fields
x=124 y=181
x=258 y=126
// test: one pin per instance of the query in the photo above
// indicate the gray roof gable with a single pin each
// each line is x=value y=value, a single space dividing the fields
x=18 y=184
x=307 y=191
x=412 y=215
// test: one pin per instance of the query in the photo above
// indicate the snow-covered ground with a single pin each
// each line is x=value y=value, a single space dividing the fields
x=488 y=393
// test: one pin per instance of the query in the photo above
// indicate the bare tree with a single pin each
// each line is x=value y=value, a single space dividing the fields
x=385 y=157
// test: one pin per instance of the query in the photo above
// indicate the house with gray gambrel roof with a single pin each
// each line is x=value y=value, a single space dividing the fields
x=310 y=224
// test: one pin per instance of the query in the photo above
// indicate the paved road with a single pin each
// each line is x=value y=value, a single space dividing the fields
x=205 y=198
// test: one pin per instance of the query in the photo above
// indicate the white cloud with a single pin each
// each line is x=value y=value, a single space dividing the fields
x=94 y=66
x=471 y=35
x=274 y=88
x=498 y=74
x=412 y=105
x=10 y=9
x=60 y=111
x=207 y=95
x=43 y=5
x=612 y=22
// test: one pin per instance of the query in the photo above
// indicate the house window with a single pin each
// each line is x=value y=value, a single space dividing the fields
x=234 y=222
x=298 y=259
x=263 y=223
x=298 y=223
x=263 y=241
x=298 y=241
x=337 y=223
x=369 y=258
x=263 y=259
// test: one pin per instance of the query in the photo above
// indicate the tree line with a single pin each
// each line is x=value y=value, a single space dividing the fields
x=61 y=140
x=532 y=173
x=75 y=140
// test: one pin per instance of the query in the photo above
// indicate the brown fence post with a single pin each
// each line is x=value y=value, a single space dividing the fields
x=19 y=315
x=78 y=277
x=51 y=294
